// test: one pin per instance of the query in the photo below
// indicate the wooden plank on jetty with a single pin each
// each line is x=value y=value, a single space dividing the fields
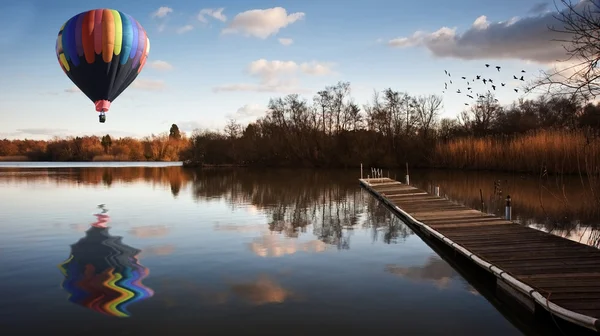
x=560 y=275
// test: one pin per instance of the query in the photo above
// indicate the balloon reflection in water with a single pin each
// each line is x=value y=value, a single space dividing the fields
x=102 y=273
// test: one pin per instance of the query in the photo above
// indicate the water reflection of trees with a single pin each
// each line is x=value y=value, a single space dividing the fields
x=175 y=177
x=559 y=205
x=331 y=204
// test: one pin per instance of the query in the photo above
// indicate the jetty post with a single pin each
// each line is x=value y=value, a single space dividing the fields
x=508 y=208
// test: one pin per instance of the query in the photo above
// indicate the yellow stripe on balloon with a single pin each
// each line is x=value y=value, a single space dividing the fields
x=64 y=61
x=118 y=31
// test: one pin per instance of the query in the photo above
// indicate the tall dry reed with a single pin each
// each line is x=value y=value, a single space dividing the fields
x=557 y=151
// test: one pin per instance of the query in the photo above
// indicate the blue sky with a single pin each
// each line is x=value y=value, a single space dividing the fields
x=198 y=76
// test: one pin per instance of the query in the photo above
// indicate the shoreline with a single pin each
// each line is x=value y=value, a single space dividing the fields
x=22 y=160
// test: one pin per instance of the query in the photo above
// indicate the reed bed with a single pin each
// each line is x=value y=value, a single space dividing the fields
x=552 y=151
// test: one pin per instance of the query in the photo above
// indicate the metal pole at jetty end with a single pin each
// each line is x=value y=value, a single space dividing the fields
x=508 y=209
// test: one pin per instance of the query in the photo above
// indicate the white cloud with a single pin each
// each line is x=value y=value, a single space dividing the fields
x=248 y=111
x=162 y=12
x=262 y=23
x=284 y=88
x=215 y=13
x=161 y=65
x=192 y=125
x=185 y=29
x=73 y=89
x=148 y=84
x=42 y=131
x=315 y=68
x=286 y=41
x=162 y=27
x=526 y=38
x=481 y=23
x=278 y=76
x=270 y=71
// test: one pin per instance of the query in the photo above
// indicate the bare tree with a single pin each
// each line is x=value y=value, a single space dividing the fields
x=353 y=117
x=480 y=118
x=232 y=129
x=427 y=111
x=580 y=23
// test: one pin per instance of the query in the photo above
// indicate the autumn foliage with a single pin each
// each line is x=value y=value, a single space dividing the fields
x=164 y=147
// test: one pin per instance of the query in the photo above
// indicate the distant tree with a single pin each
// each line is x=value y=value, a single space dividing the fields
x=174 y=132
x=427 y=112
x=233 y=130
x=480 y=118
x=106 y=143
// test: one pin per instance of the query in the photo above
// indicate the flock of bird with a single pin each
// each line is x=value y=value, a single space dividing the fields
x=491 y=84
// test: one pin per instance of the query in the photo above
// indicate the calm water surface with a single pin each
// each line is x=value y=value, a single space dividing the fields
x=219 y=253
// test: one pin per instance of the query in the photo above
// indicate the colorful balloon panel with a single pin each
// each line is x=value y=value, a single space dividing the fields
x=102 y=51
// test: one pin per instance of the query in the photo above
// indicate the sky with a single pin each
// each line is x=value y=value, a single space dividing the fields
x=214 y=60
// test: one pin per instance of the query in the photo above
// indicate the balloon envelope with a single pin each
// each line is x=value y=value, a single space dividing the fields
x=102 y=51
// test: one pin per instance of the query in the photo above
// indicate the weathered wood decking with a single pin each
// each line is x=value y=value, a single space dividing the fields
x=558 y=274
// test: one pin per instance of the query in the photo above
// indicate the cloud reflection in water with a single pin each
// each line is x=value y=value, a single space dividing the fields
x=435 y=270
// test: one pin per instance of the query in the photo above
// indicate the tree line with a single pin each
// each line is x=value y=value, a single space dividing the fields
x=396 y=128
x=162 y=147
x=549 y=133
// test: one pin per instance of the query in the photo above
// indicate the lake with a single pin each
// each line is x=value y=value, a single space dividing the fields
x=149 y=249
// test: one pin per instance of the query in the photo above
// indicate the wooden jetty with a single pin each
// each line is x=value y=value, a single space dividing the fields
x=538 y=269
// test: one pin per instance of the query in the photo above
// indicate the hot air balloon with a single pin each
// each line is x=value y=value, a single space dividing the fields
x=102 y=51
x=102 y=273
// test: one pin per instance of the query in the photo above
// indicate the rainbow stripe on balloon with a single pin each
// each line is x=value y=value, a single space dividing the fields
x=102 y=31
